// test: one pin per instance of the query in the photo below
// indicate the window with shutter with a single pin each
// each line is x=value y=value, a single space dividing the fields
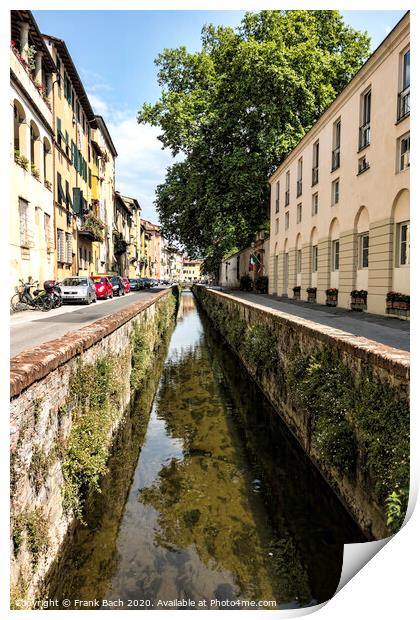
x=60 y=246
x=60 y=193
x=69 y=257
x=59 y=134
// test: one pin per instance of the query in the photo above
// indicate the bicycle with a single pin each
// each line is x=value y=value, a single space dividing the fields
x=39 y=300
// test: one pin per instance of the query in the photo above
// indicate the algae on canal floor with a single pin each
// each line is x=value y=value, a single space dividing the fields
x=214 y=506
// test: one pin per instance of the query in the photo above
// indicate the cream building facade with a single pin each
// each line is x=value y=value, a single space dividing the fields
x=103 y=157
x=31 y=160
x=340 y=200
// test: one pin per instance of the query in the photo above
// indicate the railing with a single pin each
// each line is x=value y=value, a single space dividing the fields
x=335 y=163
x=403 y=103
x=364 y=135
x=315 y=175
x=299 y=187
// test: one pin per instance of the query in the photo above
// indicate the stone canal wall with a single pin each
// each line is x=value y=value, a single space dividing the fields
x=68 y=397
x=345 y=398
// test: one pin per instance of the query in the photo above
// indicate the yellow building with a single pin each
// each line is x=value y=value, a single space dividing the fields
x=31 y=160
x=340 y=201
x=134 y=247
x=191 y=269
x=77 y=223
x=103 y=189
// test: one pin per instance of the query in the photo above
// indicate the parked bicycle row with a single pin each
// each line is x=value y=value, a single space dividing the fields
x=75 y=289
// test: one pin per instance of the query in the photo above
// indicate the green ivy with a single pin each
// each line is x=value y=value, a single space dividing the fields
x=32 y=526
x=371 y=414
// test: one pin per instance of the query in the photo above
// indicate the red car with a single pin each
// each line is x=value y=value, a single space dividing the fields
x=103 y=287
x=126 y=284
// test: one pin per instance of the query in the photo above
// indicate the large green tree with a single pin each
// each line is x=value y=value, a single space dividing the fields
x=234 y=110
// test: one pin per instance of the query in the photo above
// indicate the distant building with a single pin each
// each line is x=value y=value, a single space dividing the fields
x=340 y=201
x=122 y=223
x=152 y=249
x=251 y=261
x=134 y=249
x=191 y=269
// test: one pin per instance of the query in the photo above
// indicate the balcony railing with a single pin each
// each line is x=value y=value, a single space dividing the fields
x=364 y=135
x=286 y=198
x=299 y=187
x=403 y=103
x=335 y=163
x=315 y=175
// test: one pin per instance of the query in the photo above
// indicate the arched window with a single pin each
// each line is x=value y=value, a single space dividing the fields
x=19 y=128
x=34 y=150
x=47 y=162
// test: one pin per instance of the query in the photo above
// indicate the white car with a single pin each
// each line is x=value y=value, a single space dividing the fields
x=78 y=289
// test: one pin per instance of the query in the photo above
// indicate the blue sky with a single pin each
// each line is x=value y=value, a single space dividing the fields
x=114 y=53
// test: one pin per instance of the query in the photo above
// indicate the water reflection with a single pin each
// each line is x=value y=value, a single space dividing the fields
x=223 y=502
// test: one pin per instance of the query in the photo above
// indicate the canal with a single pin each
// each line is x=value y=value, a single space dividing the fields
x=208 y=496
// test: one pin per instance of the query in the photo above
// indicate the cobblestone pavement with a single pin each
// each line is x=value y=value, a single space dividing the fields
x=386 y=330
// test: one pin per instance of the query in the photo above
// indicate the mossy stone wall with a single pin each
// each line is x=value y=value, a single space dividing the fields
x=62 y=429
x=347 y=403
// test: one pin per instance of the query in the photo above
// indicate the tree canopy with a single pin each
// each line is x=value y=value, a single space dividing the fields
x=234 y=110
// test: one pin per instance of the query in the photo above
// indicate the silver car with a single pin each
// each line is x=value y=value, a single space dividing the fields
x=78 y=289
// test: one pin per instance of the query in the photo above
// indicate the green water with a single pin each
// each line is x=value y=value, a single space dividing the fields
x=208 y=496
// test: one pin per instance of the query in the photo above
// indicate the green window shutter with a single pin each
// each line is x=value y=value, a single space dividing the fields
x=67 y=138
x=59 y=130
x=80 y=164
x=90 y=177
x=73 y=158
x=65 y=86
x=60 y=193
x=77 y=200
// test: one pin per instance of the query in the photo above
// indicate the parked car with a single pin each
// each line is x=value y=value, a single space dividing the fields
x=134 y=284
x=147 y=283
x=141 y=283
x=117 y=285
x=126 y=282
x=78 y=289
x=103 y=287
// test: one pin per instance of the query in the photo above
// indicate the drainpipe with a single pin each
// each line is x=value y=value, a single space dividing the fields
x=54 y=180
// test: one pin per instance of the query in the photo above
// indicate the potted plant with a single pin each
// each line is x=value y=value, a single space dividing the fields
x=35 y=171
x=390 y=299
x=21 y=160
x=332 y=295
x=296 y=293
x=48 y=184
x=358 y=299
x=245 y=283
x=261 y=284
x=311 y=293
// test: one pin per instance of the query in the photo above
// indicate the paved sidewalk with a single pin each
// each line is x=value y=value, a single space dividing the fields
x=389 y=331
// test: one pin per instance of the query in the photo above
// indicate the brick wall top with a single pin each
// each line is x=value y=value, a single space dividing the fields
x=34 y=364
x=372 y=352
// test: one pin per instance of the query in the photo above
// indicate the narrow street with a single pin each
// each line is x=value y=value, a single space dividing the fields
x=31 y=328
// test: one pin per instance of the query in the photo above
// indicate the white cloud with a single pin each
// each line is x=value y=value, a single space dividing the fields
x=98 y=104
x=141 y=163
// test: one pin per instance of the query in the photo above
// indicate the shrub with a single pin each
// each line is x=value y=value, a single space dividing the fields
x=261 y=284
x=245 y=283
